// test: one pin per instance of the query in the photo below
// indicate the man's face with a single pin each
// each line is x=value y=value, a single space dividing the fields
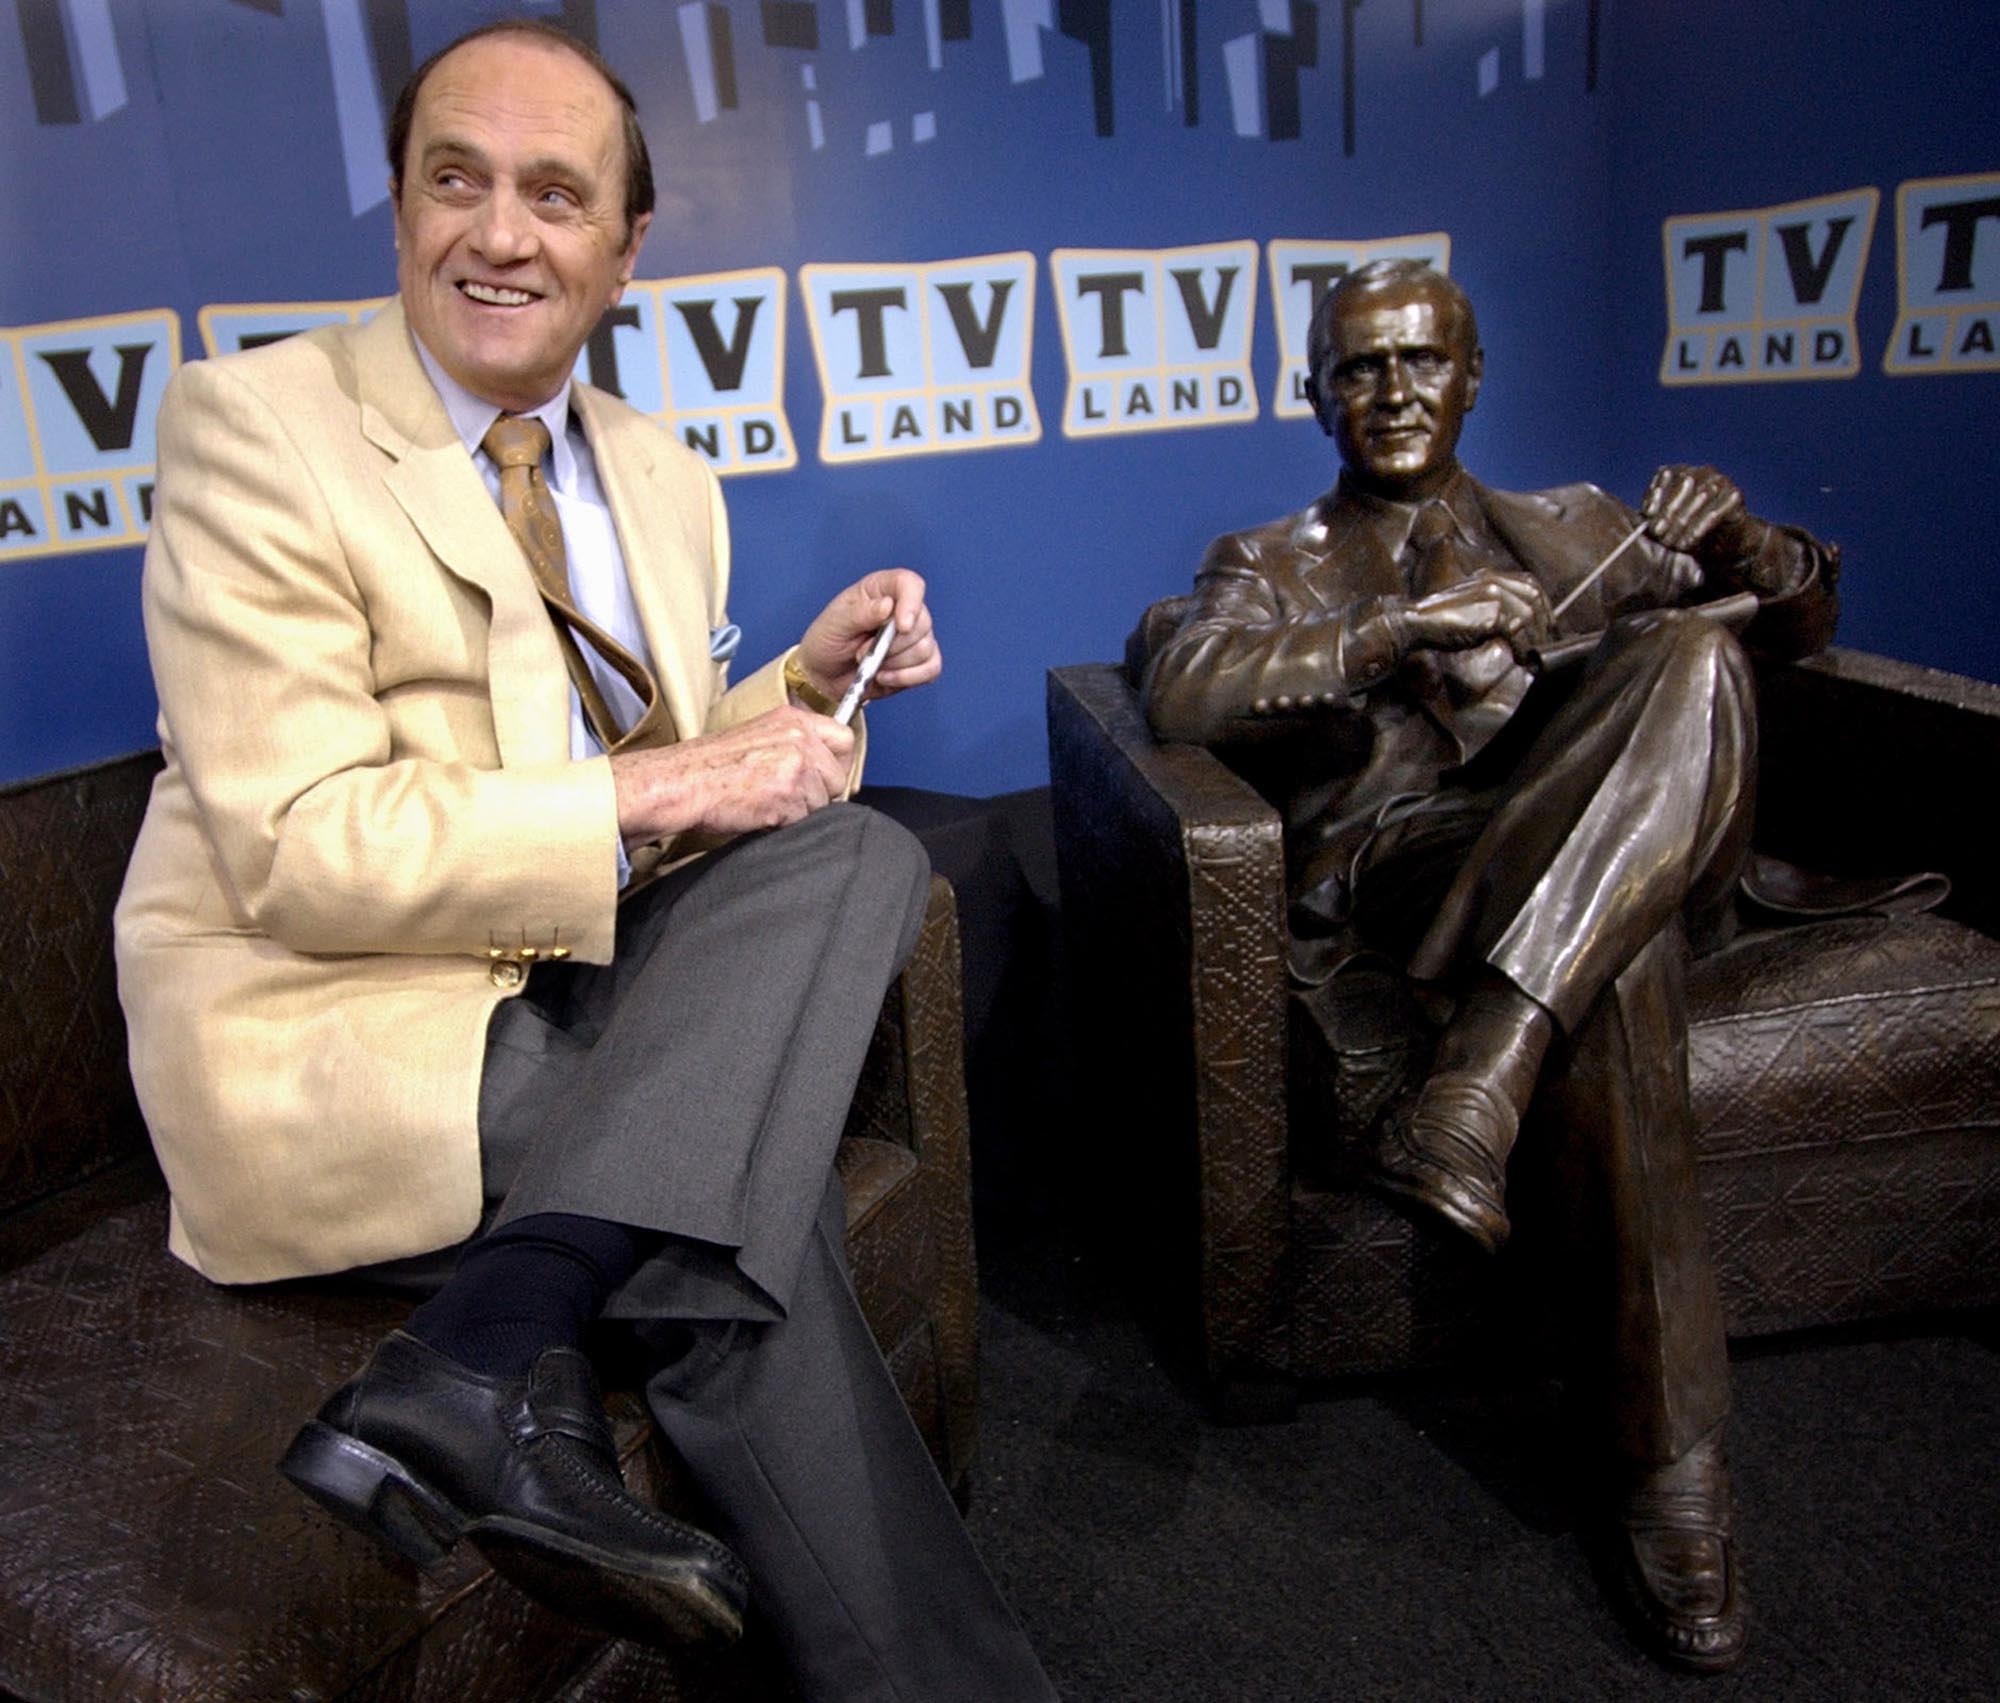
x=510 y=219
x=1395 y=388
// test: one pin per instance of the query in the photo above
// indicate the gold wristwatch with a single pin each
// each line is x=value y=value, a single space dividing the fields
x=803 y=687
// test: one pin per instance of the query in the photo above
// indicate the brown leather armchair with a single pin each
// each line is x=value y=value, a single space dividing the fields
x=1845 y=1073
x=148 y=1547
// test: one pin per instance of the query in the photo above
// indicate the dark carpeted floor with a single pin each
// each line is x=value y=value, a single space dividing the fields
x=1415 y=1539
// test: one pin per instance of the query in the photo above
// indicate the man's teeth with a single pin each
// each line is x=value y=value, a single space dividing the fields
x=495 y=295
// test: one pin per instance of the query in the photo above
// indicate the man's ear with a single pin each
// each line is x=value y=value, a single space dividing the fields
x=631 y=258
x=1316 y=402
x=1475 y=370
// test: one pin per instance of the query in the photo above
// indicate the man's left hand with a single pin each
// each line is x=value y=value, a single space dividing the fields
x=840 y=635
x=1699 y=511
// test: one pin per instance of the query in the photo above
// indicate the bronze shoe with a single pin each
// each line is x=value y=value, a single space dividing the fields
x=1676 y=1553
x=1446 y=1154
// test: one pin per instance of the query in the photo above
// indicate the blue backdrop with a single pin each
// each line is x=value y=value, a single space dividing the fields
x=166 y=156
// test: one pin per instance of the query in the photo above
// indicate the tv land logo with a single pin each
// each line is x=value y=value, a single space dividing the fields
x=1302 y=273
x=1769 y=293
x=705 y=356
x=77 y=401
x=1156 y=338
x=229 y=327
x=933 y=358
x=1947 y=276
x=923 y=359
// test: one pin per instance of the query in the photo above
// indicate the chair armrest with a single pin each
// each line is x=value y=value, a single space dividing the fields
x=1873 y=766
x=1173 y=894
x=912 y=1086
x=912 y=1094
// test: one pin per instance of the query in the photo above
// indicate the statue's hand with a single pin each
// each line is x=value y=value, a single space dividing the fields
x=1488 y=606
x=1699 y=511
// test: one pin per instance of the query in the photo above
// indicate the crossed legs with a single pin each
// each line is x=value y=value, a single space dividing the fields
x=666 y=1126
x=818 y=1478
x=1561 y=934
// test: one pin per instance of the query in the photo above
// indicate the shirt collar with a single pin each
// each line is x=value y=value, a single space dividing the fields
x=1392 y=520
x=472 y=418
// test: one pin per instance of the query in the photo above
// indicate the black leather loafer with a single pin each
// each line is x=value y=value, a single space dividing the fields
x=419 y=1451
x=1676 y=1552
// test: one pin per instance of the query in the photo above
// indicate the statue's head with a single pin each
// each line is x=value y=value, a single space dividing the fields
x=1394 y=365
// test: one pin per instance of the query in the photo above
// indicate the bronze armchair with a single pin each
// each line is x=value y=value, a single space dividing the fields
x=1845 y=1073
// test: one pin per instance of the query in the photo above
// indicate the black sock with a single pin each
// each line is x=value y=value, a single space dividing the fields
x=534 y=1283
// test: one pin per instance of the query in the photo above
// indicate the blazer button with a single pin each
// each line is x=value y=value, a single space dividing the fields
x=506 y=974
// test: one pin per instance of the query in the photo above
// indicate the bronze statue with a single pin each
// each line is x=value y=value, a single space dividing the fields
x=1517 y=756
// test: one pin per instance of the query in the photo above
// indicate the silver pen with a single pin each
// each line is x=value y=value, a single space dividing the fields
x=850 y=700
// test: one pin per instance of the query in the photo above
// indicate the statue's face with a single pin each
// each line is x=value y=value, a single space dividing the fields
x=1395 y=387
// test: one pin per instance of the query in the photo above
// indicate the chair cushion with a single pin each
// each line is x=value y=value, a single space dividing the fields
x=140 y=1513
x=1846 y=1086
x=1845 y=1077
x=148 y=1547
x=1860 y=1029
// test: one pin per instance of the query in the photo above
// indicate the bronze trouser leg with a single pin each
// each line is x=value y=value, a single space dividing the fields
x=1631 y=808
x=1629 y=813
x=1618 y=1136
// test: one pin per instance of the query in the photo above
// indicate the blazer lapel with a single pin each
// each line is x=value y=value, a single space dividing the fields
x=440 y=490
x=1353 y=561
x=1323 y=557
x=1556 y=539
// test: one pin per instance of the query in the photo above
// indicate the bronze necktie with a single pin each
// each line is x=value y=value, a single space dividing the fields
x=1435 y=562
x=517 y=445
x=1470 y=693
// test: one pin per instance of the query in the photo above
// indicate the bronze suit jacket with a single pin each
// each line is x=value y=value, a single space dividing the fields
x=368 y=809
x=1263 y=662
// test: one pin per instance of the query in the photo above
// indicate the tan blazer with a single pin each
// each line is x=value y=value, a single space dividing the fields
x=368 y=809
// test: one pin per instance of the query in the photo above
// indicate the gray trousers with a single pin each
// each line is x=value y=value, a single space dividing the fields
x=697 y=1086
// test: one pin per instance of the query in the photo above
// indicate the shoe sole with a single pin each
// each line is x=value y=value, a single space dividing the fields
x=671 y=1608
x=374 y=1493
x=1672 y=1641
x=668 y=1605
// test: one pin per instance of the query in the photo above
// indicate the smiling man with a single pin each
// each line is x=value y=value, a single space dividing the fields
x=517 y=222
x=1533 y=843
x=485 y=939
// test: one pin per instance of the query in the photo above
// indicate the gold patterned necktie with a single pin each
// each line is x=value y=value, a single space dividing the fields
x=517 y=445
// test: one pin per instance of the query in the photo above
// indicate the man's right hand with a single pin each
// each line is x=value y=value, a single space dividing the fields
x=768 y=771
x=1464 y=616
